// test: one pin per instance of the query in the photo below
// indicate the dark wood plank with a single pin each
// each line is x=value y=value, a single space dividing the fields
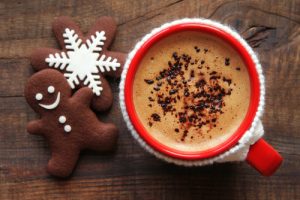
x=271 y=27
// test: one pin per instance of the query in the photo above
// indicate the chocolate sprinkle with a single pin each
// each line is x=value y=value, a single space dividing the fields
x=197 y=49
x=227 y=61
x=150 y=99
x=185 y=133
x=192 y=73
x=148 y=81
x=156 y=88
x=173 y=91
x=227 y=80
x=155 y=117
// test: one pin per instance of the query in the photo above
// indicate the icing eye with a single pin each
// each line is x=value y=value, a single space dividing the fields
x=38 y=96
x=51 y=89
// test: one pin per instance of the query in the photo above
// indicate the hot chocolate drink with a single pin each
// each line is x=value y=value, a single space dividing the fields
x=191 y=91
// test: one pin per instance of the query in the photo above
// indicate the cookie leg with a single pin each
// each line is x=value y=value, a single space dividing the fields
x=62 y=162
x=104 y=138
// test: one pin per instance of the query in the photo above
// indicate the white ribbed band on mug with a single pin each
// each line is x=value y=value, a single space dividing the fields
x=237 y=152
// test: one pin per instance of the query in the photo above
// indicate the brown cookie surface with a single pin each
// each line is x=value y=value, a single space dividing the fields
x=66 y=120
x=84 y=60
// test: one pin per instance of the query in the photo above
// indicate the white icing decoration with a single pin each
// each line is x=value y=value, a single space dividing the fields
x=51 y=89
x=62 y=119
x=81 y=62
x=39 y=96
x=53 y=105
x=67 y=128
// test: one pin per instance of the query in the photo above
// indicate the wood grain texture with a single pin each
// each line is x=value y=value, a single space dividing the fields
x=272 y=27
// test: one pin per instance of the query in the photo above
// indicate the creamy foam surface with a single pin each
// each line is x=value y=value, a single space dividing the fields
x=213 y=62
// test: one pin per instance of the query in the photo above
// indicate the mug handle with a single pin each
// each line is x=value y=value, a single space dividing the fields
x=264 y=158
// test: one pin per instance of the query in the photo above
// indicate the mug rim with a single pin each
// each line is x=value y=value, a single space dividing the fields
x=254 y=96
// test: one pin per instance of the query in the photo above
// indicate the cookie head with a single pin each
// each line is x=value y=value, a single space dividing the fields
x=47 y=90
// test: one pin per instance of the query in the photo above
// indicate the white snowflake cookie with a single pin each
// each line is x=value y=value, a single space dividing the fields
x=84 y=61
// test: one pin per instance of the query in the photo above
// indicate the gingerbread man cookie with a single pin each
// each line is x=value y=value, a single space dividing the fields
x=67 y=121
x=84 y=61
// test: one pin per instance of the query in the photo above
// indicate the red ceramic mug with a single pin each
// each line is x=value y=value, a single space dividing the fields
x=260 y=155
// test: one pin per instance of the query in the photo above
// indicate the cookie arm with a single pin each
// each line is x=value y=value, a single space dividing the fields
x=38 y=58
x=83 y=95
x=103 y=138
x=35 y=127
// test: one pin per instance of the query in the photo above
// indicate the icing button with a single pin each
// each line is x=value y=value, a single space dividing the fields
x=62 y=119
x=67 y=128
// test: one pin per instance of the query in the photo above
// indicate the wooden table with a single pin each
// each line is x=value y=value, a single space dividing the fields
x=271 y=27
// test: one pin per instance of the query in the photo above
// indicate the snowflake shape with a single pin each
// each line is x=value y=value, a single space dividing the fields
x=82 y=61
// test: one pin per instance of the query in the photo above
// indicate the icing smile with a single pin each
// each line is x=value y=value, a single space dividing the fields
x=51 y=90
x=53 y=105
